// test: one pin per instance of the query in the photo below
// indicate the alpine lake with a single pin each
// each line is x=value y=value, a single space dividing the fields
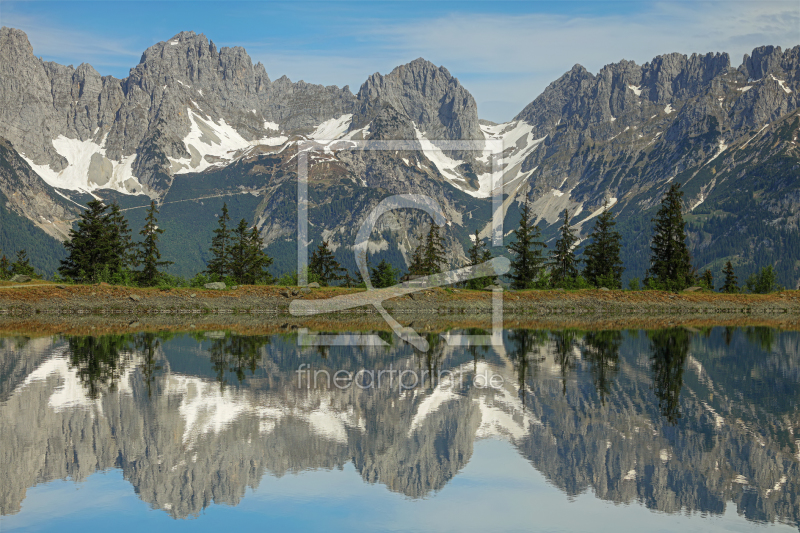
x=680 y=428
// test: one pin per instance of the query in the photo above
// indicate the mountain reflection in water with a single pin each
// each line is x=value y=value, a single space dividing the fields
x=678 y=419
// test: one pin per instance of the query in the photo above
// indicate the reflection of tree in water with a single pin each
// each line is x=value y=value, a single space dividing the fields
x=237 y=354
x=98 y=360
x=602 y=352
x=565 y=342
x=147 y=344
x=477 y=351
x=526 y=353
x=728 y=334
x=760 y=336
x=431 y=360
x=670 y=348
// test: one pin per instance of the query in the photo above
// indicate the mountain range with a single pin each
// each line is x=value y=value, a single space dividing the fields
x=194 y=126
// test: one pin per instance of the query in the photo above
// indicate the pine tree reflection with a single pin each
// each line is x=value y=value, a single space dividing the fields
x=760 y=336
x=526 y=354
x=669 y=349
x=99 y=360
x=148 y=344
x=564 y=343
x=237 y=354
x=602 y=352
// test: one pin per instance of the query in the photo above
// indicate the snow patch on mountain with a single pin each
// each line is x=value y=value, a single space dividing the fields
x=211 y=143
x=332 y=129
x=88 y=168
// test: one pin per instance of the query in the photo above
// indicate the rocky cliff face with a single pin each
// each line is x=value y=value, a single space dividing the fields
x=23 y=192
x=427 y=95
x=127 y=133
x=218 y=124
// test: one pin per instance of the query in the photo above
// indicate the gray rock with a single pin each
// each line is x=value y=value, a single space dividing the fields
x=426 y=94
x=603 y=289
x=216 y=286
x=19 y=278
x=135 y=297
x=313 y=285
x=492 y=288
x=693 y=289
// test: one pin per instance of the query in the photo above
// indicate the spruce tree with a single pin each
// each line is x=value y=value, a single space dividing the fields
x=148 y=257
x=246 y=259
x=5 y=267
x=383 y=275
x=237 y=264
x=526 y=251
x=257 y=260
x=478 y=254
x=22 y=265
x=324 y=265
x=416 y=268
x=429 y=257
x=603 y=266
x=91 y=245
x=219 y=266
x=707 y=280
x=563 y=265
x=670 y=262
x=122 y=249
x=433 y=257
x=730 y=285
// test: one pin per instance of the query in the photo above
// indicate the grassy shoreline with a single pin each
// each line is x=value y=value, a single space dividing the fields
x=48 y=299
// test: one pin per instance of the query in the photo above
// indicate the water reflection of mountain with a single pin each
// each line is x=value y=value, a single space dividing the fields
x=676 y=419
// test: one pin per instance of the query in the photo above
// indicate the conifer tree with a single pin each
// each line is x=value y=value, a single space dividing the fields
x=257 y=258
x=148 y=255
x=416 y=268
x=603 y=266
x=92 y=245
x=324 y=265
x=433 y=257
x=5 y=267
x=670 y=262
x=478 y=254
x=122 y=251
x=246 y=259
x=383 y=275
x=237 y=256
x=707 y=280
x=526 y=250
x=220 y=247
x=429 y=257
x=348 y=280
x=730 y=285
x=22 y=265
x=563 y=265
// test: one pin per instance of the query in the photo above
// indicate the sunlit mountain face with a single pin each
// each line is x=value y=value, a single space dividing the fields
x=687 y=428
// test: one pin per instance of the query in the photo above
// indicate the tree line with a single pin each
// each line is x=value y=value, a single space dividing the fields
x=101 y=249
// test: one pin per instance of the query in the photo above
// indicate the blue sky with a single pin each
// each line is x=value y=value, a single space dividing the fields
x=505 y=53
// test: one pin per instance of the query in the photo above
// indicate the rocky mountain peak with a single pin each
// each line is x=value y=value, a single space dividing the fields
x=427 y=94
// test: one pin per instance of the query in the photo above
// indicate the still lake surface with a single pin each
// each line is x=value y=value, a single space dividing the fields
x=663 y=430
